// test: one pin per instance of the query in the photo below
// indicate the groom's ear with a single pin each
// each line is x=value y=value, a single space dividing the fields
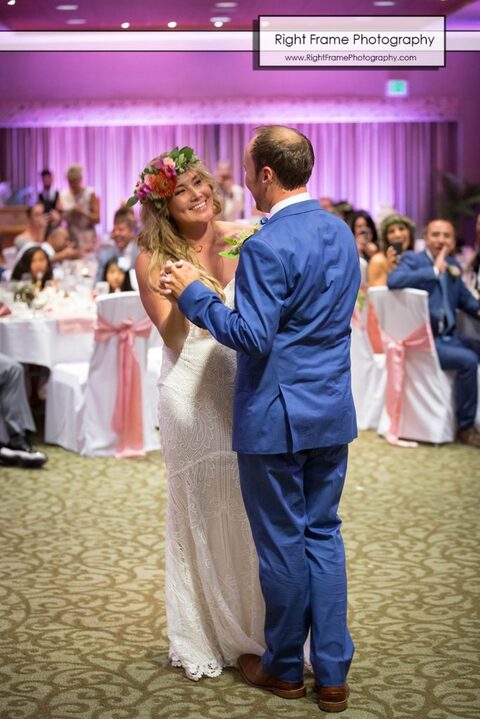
x=267 y=175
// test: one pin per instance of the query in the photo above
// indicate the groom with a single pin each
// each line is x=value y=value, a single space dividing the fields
x=296 y=286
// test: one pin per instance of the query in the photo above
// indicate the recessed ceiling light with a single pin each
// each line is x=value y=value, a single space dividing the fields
x=172 y=23
x=67 y=8
x=11 y=2
x=220 y=19
x=218 y=23
x=226 y=5
x=384 y=3
x=76 y=21
x=125 y=25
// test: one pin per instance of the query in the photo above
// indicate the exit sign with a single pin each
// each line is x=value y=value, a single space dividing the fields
x=397 y=88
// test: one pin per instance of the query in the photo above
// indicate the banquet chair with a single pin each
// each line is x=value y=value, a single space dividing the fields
x=368 y=373
x=419 y=402
x=105 y=406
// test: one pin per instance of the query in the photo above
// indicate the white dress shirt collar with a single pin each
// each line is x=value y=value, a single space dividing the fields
x=301 y=197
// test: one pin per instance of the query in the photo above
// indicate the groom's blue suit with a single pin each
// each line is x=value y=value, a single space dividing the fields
x=296 y=286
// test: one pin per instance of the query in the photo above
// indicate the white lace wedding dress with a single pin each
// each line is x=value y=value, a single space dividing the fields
x=215 y=610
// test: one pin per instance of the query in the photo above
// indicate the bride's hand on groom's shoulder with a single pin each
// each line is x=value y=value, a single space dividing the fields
x=175 y=277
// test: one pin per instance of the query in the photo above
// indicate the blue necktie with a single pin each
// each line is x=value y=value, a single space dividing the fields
x=448 y=315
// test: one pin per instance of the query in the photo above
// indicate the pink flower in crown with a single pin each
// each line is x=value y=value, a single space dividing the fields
x=141 y=191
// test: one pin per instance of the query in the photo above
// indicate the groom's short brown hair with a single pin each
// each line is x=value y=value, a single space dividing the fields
x=286 y=151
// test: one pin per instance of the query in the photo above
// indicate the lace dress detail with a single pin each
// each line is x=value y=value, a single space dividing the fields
x=215 y=609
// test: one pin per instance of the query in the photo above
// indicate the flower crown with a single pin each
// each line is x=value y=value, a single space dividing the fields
x=158 y=181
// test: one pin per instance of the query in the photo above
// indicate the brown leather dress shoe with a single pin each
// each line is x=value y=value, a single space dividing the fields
x=254 y=674
x=332 y=699
x=469 y=436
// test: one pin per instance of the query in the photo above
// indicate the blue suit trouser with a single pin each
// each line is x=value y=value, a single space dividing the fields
x=463 y=355
x=292 y=504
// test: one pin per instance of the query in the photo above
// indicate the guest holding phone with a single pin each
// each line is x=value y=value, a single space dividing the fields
x=397 y=234
x=365 y=233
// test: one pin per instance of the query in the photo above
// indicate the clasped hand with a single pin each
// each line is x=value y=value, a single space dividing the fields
x=175 y=277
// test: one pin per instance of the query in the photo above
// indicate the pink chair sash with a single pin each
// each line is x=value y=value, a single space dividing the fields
x=419 y=339
x=127 y=417
x=4 y=310
x=75 y=325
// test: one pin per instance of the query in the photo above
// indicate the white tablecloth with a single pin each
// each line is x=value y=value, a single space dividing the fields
x=37 y=340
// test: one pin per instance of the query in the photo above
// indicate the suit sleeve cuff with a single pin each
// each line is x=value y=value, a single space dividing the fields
x=190 y=294
x=436 y=271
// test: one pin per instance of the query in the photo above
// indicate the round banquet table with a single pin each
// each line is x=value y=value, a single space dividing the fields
x=47 y=340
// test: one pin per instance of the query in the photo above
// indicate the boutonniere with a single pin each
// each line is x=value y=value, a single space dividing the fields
x=236 y=242
x=454 y=271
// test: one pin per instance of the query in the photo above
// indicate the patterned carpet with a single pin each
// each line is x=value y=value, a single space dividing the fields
x=82 y=628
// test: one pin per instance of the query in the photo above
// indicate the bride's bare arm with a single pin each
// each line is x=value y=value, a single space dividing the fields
x=163 y=312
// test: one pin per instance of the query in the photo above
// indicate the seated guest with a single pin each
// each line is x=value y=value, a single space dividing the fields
x=365 y=233
x=17 y=417
x=397 y=234
x=34 y=265
x=473 y=269
x=326 y=203
x=125 y=246
x=118 y=277
x=440 y=275
x=59 y=246
x=34 y=233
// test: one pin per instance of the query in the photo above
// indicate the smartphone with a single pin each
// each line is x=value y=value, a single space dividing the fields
x=398 y=247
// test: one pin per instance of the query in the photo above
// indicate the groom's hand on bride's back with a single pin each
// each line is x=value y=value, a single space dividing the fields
x=175 y=277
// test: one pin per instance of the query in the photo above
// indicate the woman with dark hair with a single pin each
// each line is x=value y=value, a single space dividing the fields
x=118 y=278
x=35 y=263
x=365 y=233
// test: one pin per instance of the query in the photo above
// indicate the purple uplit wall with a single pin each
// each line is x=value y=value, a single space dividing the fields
x=190 y=76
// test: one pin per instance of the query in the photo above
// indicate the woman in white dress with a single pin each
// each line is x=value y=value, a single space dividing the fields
x=214 y=605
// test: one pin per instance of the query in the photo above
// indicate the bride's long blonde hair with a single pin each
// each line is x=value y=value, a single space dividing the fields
x=162 y=240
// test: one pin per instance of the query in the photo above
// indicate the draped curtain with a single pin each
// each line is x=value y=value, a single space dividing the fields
x=370 y=164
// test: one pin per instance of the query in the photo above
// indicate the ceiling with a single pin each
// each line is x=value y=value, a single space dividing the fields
x=194 y=14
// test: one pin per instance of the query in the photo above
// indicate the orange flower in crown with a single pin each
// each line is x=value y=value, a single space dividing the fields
x=158 y=180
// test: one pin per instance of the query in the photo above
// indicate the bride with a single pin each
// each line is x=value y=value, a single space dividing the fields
x=214 y=606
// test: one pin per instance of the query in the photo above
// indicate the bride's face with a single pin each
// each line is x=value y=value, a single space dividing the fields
x=192 y=200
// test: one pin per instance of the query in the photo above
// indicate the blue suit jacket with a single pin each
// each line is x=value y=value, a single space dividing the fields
x=415 y=269
x=296 y=286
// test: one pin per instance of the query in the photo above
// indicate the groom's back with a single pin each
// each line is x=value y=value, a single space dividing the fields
x=300 y=393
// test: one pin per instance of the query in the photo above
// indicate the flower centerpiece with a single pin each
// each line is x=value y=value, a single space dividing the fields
x=25 y=292
x=158 y=180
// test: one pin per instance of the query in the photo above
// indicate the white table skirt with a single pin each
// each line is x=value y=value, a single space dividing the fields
x=37 y=340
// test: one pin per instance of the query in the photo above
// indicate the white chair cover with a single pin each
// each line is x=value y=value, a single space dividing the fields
x=427 y=403
x=368 y=374
x=81 y=398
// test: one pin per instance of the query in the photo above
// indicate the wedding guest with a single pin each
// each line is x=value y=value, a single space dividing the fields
x=125 y=246
x=34 y=233
x=440 y=275
x=118 y=277
x=80 y=208
x=34 y=264
x=232 y=195
x=17 y=417
x=326 y=203
x=397 y=234
x=48 y=195
x=473 y=269
x=59 y=246
x=365 y=233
